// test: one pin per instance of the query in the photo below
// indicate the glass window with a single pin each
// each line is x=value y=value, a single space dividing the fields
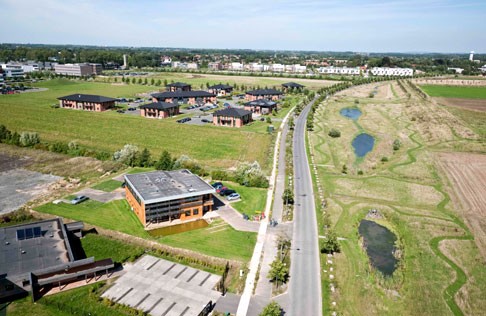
x=188 y=213
x=195 y=211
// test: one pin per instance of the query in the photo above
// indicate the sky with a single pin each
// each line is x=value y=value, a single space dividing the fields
x=446 y=26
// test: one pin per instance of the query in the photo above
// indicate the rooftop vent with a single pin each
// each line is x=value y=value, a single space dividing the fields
x=192 y=190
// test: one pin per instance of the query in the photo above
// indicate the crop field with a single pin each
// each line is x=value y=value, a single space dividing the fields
x=406 y=186
x=110 y=131
x=462 y=92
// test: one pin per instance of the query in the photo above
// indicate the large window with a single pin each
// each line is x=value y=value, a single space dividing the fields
x=195 y=211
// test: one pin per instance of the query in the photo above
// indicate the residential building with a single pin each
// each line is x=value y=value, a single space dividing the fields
x=235 y=66
x=255 y=67
x=37 y=256
x=86 y=102
x=292 y=86
x=12 y=71
x=331 y=70
x=298 y=68
x=168 y=196
x=221 y=90
x=270 y=94
x=215 y=66
x=178 y=86
x=184 y=65
x=78 y=70
x=456 y=70
x=483 y=69
x=165 y=61
x=277 y=68
x=261 y=106
x=159 y=110
x=386 y=71
x=232 y=117
x=186 y=97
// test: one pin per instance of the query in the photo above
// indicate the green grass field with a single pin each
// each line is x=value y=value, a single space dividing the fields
x=455 y=91
x=115 y=215
x=218 y=239
x=252 y=199
x=101 y=247
x=108 y=185
x=110 y=131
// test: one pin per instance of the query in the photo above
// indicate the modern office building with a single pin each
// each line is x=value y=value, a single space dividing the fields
x=168 y=196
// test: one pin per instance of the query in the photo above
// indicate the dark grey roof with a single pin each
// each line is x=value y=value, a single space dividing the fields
x=261 y=102
x=221 y=86
x=292 y=85
x=232 y=112
x=22 y=252
x=159 y=186
x=264 y=92
x=87 y=98
x=183 y=94
x=178 y=84
x=159 y=105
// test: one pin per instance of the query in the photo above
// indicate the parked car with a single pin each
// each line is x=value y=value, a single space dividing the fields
x=205 y=121
x=131 y=109
x=233 y=196
x=226 y=192
x=120 y=111
x=79 y=199
x=245 y=217
x=221 y=189
x=183 y=120
x=217 y=184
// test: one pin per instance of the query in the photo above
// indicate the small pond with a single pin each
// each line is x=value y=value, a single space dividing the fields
x=363 y=144
x=380 y=246
x=352 y=113
x=176 y=229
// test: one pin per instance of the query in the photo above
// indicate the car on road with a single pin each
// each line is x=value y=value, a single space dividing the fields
x=79 y=199
x=233 y=196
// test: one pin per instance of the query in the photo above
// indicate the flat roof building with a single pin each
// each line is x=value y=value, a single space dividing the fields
x=168 y=196
x=78 y=70
x=87 y=102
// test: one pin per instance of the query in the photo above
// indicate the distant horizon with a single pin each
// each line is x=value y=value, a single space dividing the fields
x=249 y=49
x=428 y=26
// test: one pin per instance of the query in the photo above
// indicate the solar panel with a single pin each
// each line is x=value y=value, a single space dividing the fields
x=20 y=234
x=37 y=232
x=29 y=233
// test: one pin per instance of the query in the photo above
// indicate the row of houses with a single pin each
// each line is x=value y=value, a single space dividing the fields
x=375 y=71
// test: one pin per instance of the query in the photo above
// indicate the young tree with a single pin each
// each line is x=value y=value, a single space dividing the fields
x=127 y=155
x=279 y=272
x=330 y=244
x=152 y=81
x=288 y=196
x=144 y=158
x=291 y=123
x=165 y=162
x=272 y=309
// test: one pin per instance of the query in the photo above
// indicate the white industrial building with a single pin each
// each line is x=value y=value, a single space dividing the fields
x=235 y=66
x=78 y=70
x=386 y=71
x=12 y=70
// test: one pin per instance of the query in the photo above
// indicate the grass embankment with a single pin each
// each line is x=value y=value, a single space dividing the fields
x=108 y=185
x=407 y=190
x=110 y=131
x=462 y=92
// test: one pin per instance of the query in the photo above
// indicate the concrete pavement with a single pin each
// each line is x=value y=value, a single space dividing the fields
x=305 y=279
x=236 y=220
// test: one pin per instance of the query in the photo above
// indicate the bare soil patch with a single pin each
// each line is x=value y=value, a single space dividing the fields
x=467 y=174
x=470 y=104
x=452 y=82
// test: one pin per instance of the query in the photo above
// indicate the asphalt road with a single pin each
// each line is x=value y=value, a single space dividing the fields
x=305 y=278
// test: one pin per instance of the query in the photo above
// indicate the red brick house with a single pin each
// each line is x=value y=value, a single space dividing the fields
x=221 y=90
x=261 y=106
x=159 y=110
x=86 y=102
x=186 y=97
x=232 y=117
x=178 y=86
x=270 y=94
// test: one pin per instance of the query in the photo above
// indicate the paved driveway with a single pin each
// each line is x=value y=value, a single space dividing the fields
x=101 y=196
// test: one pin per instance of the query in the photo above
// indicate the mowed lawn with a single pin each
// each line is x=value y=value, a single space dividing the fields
x=252 y=200
x=110 y=131
x=455 y=91
x=218 y=239
x=108 y=185
x=115 y=215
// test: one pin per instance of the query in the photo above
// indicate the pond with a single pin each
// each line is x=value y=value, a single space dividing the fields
x=352 y=113
x=363 y=144
x=176 y=229
x=380 y=246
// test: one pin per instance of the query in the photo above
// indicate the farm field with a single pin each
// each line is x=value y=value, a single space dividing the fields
x=110 y=131
x=199 y=80
x=467 y=174
x=462 y=92
x=407 y=189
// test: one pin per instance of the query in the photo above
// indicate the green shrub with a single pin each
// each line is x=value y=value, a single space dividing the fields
x=396 y=144
x=334 y=133
x=384 y=159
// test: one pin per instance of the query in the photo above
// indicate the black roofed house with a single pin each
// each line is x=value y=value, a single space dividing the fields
x=271 y=94
x=220 y=89
x=159 y=109
x=232 y=117
x=87 y=102
x=186 y=97
x=261 y=106
x=292 y=86
x=178 y=86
